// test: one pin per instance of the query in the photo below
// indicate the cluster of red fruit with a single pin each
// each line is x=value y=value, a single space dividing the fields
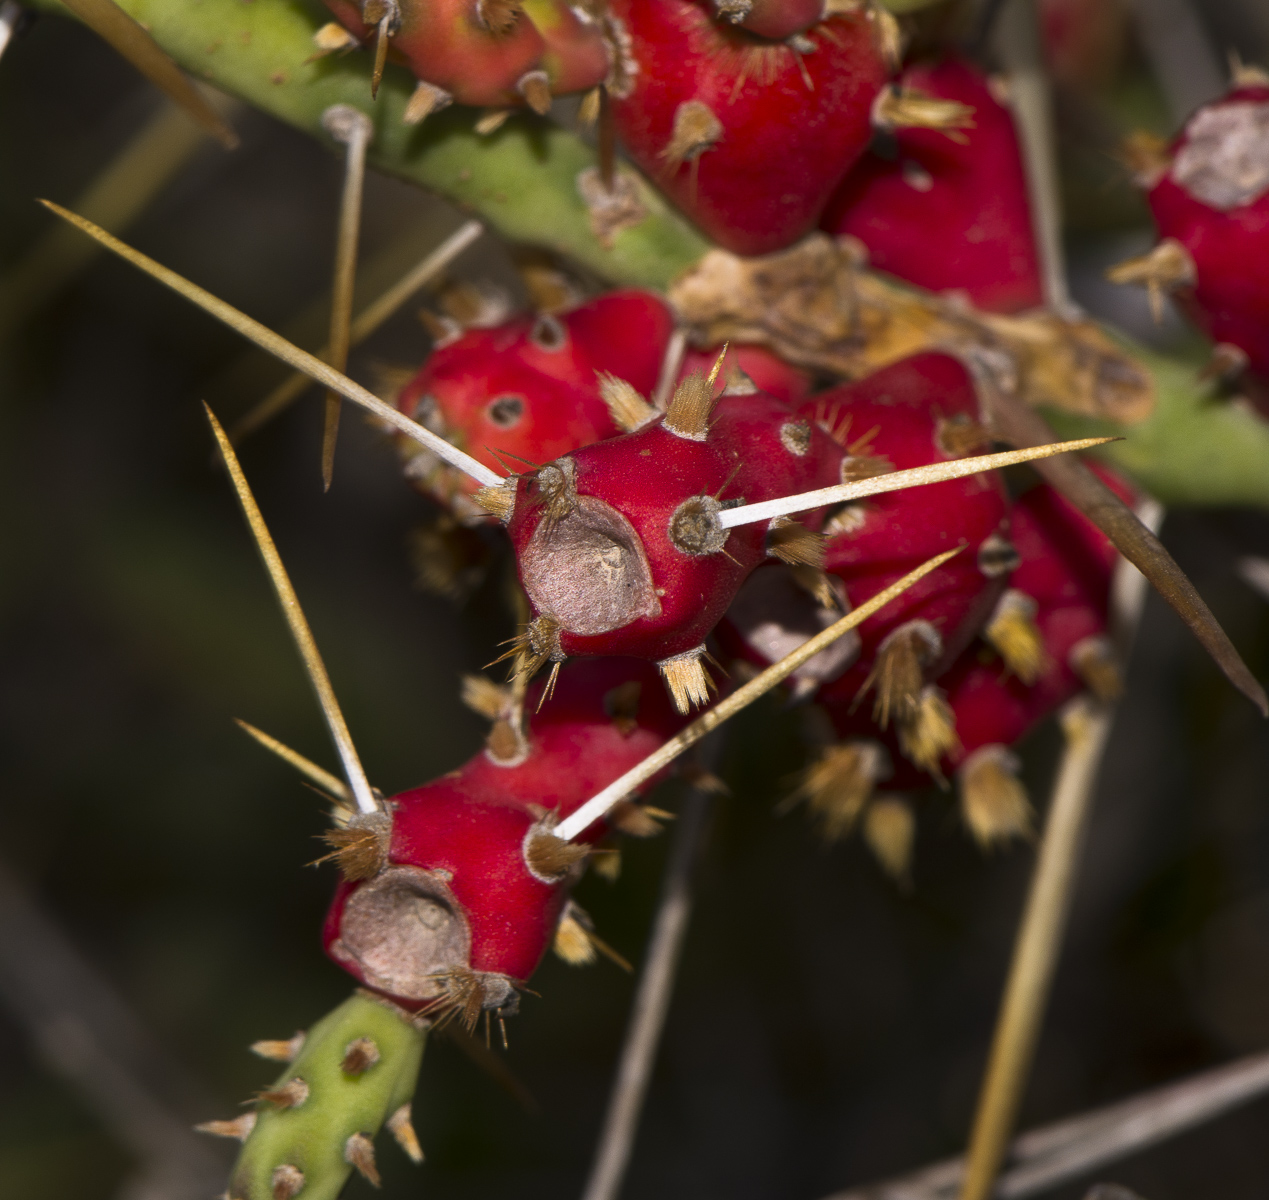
x=638 y=475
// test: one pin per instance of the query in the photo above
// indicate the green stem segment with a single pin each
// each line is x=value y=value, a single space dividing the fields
x=523 y=182
x=312 y=1137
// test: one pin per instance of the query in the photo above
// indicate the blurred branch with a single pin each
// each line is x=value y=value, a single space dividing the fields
x=1052 y=1155
x=1086 y=725
x=1185 y=64
x=87 y=1034
x=522 y=179
x=116 y=197
x=523 y=182
x=10 y=15
x=652 y=1002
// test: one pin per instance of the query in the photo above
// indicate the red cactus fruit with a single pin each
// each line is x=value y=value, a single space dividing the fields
x=616 y=543
x=918 y=411
x=774 y=19
x=448 y=900
x=768 y=372
x=748 y=136
x=1210 y=199
x=529 y=390
x=950 y=209
x=1045 y=641
x=493 y=53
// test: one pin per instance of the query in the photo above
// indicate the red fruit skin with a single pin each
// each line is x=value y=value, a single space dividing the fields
x=549 y=366
x=444 y=43
x=645 y=476
x=1230 y=299
x=770 y=373
x=775 y=19
x=900 y=530
x=577 y=57
x=949 y=212
x=1066 y=566
x=788 y=138
x=472 y=822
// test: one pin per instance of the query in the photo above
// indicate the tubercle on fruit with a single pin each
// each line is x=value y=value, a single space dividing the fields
x=465 y=901
x=1209 y=194
x=711 y=107
x=616 y=545
x=982 y=244
x=1064 y=571
x=485 y=52
x=531 y=389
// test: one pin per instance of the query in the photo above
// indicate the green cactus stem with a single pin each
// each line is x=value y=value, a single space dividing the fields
x=355 y=1071
x=523 y=180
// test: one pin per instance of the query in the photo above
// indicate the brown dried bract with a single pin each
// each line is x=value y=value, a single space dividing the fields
x=279 y=1049
x=402 y=1129
x=691 y=407
x=239 y=1128
x=817 y=307
x=628 y=409
x=286 y=1182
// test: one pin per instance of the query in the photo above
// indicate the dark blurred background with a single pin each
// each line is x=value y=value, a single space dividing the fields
x=827 y=1029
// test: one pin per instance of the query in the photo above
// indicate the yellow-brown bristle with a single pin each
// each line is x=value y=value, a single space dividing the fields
x=290 y=1094
x=402 y=1129
x=687 y=679
x=904 y=108
x=927 y=734
x=499 y=500
x=535 y=645
x=463 y=998
x=359 y=1152
x=994 y=803
x=498 y=16
x=588 y=110
x=691 y=407
x=506 y=744
x=606 y=863
x=447 y=557
x=898 y=672
x=816 y=583
x=359 y=1056
x=476 y=304
x=887 y=35
x=840 y=784
x=535 y=87
x=572 y=940
x=1012 y=632
x=864 y=466
x=629 y=410
x=551 y=290
x=622 y=705
x=696 y=130
x=239 y=1127
x=794 y=544
x=960 y=435
x=1243 y=74
x=426 y=99
x=1094 y=660
x=634 y=820
x=550 y=857
x=1167 y=267
x=889 y=831
x=493 y=120
x=1146 y=155
x=332 y=37
x=279 y=1049
x=360 y=848
x=286 y=1182
x=483 y=696
x=554 y=488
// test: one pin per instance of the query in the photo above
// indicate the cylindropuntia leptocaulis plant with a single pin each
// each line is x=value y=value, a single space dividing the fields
x=857 y=532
